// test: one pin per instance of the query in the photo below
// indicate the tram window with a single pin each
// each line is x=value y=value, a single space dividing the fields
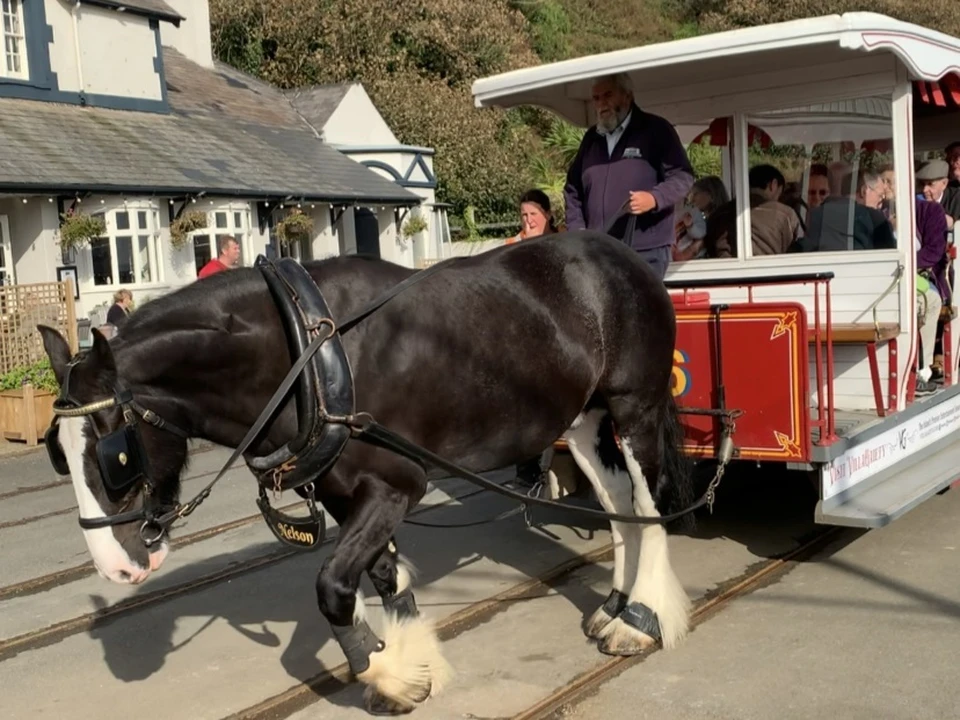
x=700 y=219
x=821 y=179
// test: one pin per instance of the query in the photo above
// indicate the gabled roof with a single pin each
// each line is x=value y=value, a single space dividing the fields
x=227 y=134
x=795 y=46
x=150 y=8
x=318 y=103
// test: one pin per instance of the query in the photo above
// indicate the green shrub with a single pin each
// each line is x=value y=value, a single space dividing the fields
x=40 y=375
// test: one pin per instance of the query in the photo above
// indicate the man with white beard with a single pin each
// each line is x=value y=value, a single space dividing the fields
x=630 y=155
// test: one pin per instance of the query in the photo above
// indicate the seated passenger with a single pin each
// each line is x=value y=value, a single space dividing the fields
x=819 y=185
x=830 y=227
x=707 y=194
x=931 y=282
x=773 y=225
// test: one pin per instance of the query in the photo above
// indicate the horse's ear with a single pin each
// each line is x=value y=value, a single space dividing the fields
x=101 y=356
x=57 y=350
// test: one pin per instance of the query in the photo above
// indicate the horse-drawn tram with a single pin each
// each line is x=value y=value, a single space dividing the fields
x=393 y=377
x=807 y=358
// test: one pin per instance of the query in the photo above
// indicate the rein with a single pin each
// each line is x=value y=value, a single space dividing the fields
x=157 y=519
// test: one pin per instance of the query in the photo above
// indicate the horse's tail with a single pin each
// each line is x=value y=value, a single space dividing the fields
x=675 y=490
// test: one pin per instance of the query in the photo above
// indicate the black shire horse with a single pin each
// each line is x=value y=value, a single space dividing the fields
x=485 y=363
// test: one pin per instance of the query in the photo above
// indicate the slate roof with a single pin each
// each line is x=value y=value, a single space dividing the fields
x=227 y=134
x=318 y=103
x=150 y=8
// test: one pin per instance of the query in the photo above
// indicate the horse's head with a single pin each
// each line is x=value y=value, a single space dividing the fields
x=125 y=471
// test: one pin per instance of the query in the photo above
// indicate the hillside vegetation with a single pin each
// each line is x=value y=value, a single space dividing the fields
x=418 y=58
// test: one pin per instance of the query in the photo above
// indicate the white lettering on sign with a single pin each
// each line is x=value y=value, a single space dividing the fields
x=889 y=447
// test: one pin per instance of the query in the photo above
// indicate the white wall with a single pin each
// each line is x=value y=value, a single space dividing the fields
x=192 y=38
x=35 y=252
x=357 y=121
x=117 y=52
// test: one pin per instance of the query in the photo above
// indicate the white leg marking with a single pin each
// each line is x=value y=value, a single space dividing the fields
x=406 y=573
x=613 y=489
x=577 y=421
x=109 y=557
x=656 y=586
x=359 y=608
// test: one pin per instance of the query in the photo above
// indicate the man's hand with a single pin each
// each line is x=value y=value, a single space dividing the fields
x=949 y=222
x=642 y=202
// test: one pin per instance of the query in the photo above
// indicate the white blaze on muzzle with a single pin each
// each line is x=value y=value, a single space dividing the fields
x=108 y=554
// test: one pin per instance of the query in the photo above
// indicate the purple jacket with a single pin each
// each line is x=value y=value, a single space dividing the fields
x=648 y=156
x=932 y=231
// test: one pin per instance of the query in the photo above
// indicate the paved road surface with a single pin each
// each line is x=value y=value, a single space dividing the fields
x=871 y=629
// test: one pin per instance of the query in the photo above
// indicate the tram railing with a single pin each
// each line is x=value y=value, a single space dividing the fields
x=825 y=420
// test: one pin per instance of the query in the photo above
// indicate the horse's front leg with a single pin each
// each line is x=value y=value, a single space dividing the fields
x=406 y=666
x=392 y=575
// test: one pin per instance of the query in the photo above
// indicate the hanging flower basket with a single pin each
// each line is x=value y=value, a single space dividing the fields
x=78 y=228
x=414 y=225
x=184 y=225
x=294 y=227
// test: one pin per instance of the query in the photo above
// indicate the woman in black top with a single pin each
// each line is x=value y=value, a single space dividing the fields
x=122 y=303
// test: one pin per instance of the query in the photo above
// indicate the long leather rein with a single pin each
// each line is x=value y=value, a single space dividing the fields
x=364 y=427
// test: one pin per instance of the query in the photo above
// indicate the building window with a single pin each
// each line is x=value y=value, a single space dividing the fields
x=128 y=254
x=14 y=62
x=231 y=221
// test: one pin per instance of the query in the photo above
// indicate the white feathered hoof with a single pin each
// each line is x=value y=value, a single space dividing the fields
x=408 y=670
x=604 y=615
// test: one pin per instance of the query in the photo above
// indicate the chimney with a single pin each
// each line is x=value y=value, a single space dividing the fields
x=192 y=38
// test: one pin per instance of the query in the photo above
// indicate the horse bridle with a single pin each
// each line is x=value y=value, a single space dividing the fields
x=121 y=457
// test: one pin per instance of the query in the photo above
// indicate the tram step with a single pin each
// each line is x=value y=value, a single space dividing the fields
x=900 y=489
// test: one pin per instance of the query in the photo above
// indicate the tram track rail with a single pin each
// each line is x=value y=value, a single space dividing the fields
x=554 y=706
x=562 y=701
x=315 y=688
x=42 y=583
x=29 y=489
x=55 y=632
x=73 y=507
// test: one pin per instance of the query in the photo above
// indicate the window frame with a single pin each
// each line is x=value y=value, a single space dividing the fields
x=108 y=212
x=245 y=230
x=18 y=14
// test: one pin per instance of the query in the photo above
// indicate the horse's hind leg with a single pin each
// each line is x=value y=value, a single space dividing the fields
x=406 y=667
x=657 y=605
x=594 y=449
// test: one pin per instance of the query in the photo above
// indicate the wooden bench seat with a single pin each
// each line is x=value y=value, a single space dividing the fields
x=857 y=333
x=868 y=334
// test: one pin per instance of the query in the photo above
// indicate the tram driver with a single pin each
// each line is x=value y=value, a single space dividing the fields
x=629 y=156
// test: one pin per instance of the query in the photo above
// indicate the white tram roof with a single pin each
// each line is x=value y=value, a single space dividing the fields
x=565 y=87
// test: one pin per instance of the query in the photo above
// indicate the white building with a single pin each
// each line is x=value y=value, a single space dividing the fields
x=118 y=109
x=333 y=111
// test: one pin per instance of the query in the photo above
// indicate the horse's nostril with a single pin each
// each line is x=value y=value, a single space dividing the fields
x=124 y=575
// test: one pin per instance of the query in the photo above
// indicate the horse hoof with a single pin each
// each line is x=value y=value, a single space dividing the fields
x=614 y=604
x=622 y=640
x=382 y=706
x=594 y=625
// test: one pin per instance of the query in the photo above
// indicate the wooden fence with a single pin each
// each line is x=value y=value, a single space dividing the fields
x=22 y=308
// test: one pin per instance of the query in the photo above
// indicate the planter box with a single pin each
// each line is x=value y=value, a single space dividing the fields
x=25 y=414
